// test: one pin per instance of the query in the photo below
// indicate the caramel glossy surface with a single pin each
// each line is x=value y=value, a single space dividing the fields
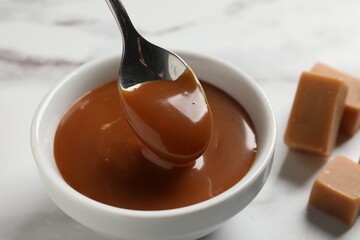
x=99 y=155
x=172 y=118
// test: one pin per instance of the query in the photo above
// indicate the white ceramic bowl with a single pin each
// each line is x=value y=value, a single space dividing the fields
x=189 y=222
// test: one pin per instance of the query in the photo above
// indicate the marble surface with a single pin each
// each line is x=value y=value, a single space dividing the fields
x=274 y=41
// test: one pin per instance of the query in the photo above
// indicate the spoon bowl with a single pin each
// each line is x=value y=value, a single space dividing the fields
x=142 y=61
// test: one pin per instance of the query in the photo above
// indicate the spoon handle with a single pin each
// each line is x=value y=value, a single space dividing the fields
x=123 y=20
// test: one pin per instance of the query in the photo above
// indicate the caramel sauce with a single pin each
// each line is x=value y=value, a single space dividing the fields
x=172 y=118
x=100 y=156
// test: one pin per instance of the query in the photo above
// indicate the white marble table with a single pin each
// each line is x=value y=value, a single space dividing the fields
x=274 y=40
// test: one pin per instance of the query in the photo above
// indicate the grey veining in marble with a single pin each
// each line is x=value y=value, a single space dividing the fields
x=273 y=40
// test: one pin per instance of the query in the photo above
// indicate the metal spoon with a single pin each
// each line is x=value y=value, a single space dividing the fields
x=142 y=61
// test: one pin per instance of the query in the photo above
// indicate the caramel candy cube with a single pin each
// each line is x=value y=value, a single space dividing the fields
x=316 y=113
x=337 y=190
x=350 y=121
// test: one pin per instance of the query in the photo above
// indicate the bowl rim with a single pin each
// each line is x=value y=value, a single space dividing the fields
x=247 y=180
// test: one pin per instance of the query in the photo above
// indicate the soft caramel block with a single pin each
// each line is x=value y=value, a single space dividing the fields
x=350 y=122
x=316 y=113
x=337 y=190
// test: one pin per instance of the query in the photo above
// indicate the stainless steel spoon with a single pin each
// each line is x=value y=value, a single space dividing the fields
x=142 y=61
